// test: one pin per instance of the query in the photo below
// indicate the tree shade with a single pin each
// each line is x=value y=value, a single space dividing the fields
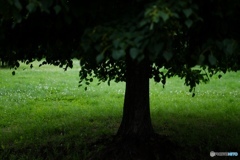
x=129 y=41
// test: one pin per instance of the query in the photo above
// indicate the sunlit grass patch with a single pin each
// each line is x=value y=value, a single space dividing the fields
x=44 y=114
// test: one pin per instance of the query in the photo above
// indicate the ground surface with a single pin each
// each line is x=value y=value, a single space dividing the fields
x=44 y=115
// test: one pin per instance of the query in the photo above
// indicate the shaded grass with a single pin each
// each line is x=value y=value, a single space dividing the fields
x=209 y=121
x=44 y=115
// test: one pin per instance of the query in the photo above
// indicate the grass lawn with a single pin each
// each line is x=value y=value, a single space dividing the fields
x=45 y=115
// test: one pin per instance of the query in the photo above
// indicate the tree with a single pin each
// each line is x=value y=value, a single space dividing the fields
x=129 y=41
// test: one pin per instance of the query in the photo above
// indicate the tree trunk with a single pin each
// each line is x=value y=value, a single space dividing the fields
x=136 y=121
x=135 y=139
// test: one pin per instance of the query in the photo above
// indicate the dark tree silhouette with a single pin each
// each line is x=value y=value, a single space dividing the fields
x=127 y=41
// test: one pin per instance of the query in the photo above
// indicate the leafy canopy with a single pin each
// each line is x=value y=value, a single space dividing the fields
x=174 y=35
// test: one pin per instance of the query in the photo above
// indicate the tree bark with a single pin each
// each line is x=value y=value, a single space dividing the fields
x=135 y=138
x=136 y=121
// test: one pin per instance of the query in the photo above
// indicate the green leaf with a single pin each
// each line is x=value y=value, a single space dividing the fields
x=17 y=18
x=122 y=45
x=188 y=23
x=140 y=58
x=167 y=55
x=134 y=52
x=116 y=42
x=163 y=15
x=138 y=41
x=143 y=23
x=2 y=146
x=57 y=9
x=175 y=15
x=229 y=46
x=46 y=4
x=147 y=12
x=212 y=59
x=193 y=94
x=201 y=59
x=155 y=19
x=151 y=26
x=117 y=54
x=187 y=12
x=18 y=4
x=31 y=7
x=99 y=58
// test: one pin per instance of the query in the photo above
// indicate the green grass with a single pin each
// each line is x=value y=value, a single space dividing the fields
x=44 y=115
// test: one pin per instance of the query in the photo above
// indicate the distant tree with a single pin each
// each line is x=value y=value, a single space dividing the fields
x=129 y=41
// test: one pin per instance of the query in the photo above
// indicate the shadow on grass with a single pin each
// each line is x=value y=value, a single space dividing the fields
x=197 y=134
x=180 y=136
